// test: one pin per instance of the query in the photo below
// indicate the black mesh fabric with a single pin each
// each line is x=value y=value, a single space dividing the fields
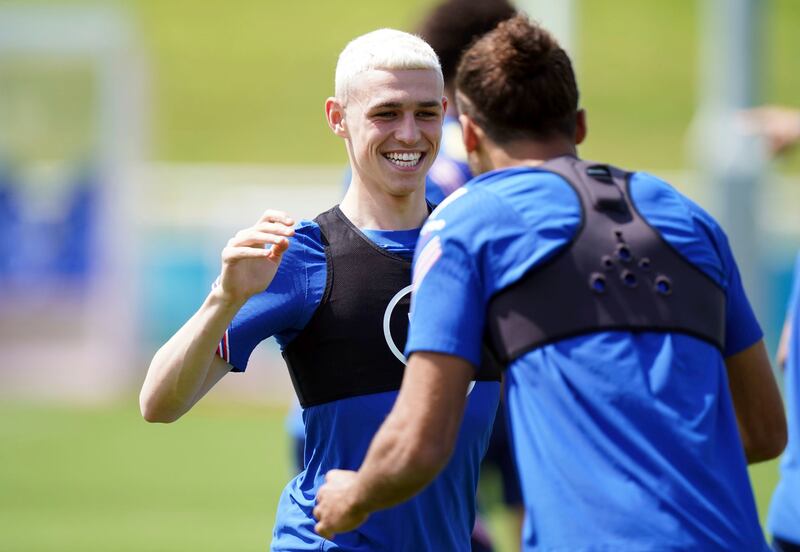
x=346 y=349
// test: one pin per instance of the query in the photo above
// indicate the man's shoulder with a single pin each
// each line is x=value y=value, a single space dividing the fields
x=518 y=199
x=308 y=229
x=308 y=236
x=656 y=197
x=306 y=250
x=458 y=216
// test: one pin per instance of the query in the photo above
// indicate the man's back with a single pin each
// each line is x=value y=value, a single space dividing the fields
x=623 y=439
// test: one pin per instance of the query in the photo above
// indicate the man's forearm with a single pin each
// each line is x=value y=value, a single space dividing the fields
x=417 y=438
x=181 y=366
x=411 y=447
x=399 y=464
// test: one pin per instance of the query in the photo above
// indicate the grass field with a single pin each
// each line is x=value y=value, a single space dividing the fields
x=99 y=479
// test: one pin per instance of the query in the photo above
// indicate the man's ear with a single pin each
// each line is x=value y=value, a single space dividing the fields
x=580 y=126
x=471 y=132
x=334 y=114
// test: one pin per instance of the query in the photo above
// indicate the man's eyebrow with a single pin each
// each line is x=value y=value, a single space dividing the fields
x=398 y=105
x=431 y=103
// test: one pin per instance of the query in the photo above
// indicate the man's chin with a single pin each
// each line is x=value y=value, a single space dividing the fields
x=406 y=183
x=400 y=189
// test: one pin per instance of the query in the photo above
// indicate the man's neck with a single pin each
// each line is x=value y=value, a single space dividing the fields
x=526 y=153
x=381 y=211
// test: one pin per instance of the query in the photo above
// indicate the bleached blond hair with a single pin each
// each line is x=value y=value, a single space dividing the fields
x=386 y=49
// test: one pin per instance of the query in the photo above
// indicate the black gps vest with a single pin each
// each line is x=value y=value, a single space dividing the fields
x=617 y=273
x=353 y=345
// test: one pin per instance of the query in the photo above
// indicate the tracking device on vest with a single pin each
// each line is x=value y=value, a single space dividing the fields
x=617 y=273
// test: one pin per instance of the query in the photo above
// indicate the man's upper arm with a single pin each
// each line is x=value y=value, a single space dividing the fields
x=758 y=403
x=756 y=397
x=742 y=329
x=431 y=403
x=216 y=372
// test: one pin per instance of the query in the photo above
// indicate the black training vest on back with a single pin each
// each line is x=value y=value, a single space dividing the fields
x=346 y=349
x=617 y=273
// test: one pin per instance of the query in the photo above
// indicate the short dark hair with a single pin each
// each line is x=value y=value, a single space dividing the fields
x=453 y=25
x=516 y=82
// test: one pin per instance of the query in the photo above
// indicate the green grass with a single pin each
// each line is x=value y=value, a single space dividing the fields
x=101 y=479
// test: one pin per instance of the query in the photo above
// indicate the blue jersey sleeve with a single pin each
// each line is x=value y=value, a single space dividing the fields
x=741 y=326
x=447 y=306
x=286 y=306
x=447 y=309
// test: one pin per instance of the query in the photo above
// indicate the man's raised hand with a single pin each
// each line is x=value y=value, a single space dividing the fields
x=252 y=257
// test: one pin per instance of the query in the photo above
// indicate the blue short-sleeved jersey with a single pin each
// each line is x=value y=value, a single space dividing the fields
x=338 y=433
x=624 y=441
x=784 y=511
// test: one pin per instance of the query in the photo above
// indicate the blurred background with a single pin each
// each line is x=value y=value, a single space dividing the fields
x=136 y=137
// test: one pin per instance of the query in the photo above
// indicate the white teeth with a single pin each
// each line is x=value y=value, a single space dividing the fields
x=404 y=159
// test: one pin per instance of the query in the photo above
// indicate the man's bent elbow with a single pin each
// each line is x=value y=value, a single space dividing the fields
x=768 y=443
x=154 y=411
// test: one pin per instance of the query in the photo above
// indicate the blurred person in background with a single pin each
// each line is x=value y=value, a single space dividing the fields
x=335 y=293
x=637 y=379
x=784 y=512
x=780 y=126
x=450 y=28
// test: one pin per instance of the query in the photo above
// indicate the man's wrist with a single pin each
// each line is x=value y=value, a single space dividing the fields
x=358 y=496
x=220 y=298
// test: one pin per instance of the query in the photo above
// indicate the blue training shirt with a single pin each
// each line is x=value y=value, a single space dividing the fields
x=338 y=433
x=624 y=441
x=784 y=511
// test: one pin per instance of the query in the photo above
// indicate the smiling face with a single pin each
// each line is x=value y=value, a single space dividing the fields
x=391 y=121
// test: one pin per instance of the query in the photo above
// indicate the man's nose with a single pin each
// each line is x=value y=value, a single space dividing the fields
x=408 y=130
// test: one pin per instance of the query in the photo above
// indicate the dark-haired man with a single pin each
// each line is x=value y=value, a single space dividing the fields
x=637 y=379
